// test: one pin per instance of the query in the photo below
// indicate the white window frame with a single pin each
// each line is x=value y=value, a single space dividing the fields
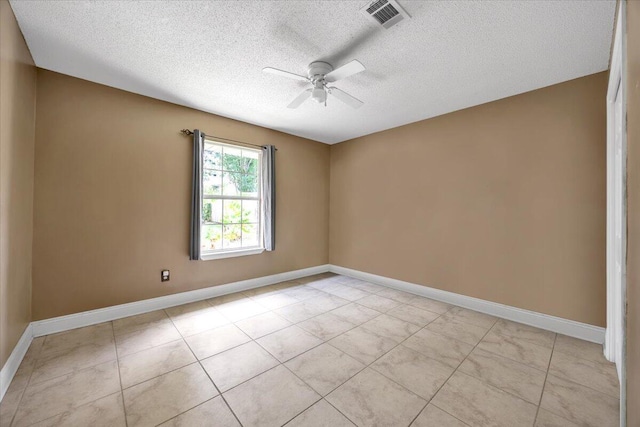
x=233 y=252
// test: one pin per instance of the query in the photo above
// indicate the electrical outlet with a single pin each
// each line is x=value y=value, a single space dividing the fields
x=164 y=276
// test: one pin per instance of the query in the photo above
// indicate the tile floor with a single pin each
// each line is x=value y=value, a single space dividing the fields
x=321 y=351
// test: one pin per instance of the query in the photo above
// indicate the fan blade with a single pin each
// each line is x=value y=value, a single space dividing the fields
x=285 y=74
x=346 y=70
x=346 y=98
x=300 y=99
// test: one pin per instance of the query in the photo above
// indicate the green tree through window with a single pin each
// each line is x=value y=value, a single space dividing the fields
x=245 y=181
x=230 y=209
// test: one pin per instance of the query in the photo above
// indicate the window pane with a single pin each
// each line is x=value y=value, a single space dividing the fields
x=211 y=237
x=207 y=216
x=232 y=236
x=250 y=234
x=250 y=211
x=249 y=185
x=250 y=162
x=230 y=171
x=251 y=154
x=212 y=156
x=212 y=211
x=231 y=184
x=232 y=159
x=212 y=182
x=232 y=212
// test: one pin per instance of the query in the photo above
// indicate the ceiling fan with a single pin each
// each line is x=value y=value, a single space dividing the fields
x=319 y=75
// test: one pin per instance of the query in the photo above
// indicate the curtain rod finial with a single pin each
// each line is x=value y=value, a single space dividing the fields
x=186 y=132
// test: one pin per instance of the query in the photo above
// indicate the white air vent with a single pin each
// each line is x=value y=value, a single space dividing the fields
x=385 y=12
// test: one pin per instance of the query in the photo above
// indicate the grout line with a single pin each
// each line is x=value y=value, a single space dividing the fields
x=254 y=340
x=69 y=372
x=308 y=350
x=183 y=412
x=450 y=414
x=50 y=417
x=564 y=378
x=454 y=371
x=279 y=363
x=512 y=337
x=394 y=381
x=39 y=355
x=314 y=402
x=365 y=366
x=13 y=415
x=605 y=363
x=339 y=411
x=498 y=388
x=124 y=407
x=157 y=376
x=208 y=376
x=545 y=377
x=219 y=394
x=24 y=390
x=148 y=348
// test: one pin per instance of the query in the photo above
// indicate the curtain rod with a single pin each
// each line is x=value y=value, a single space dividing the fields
x=188 y=132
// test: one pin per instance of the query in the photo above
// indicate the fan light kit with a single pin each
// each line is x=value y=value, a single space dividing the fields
x=319 y=75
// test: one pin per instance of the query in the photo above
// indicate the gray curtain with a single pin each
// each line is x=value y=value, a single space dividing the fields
x=196 y=195
x=269 y=196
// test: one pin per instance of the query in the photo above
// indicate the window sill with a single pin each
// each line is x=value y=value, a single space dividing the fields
x=230 y=254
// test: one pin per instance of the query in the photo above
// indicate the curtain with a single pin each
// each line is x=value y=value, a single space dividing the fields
x=196 y=195
x=269 y=197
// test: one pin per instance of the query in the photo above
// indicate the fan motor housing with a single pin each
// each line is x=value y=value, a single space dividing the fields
x=319 y=69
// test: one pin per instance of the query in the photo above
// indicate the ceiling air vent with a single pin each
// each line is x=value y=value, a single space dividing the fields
x=385 y=12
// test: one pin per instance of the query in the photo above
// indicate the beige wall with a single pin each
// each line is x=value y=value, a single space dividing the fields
x=633 y=214
x=17 y=137
x=112 y=191
x=504 y=201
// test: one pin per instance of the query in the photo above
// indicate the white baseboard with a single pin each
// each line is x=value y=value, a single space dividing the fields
x=87 y=318
x=15 y=358
x=571 y=328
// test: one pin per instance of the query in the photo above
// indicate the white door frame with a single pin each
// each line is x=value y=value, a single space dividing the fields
x=615 y=339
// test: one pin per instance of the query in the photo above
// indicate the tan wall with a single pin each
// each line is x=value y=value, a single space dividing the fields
x=504 y=201
x=112 y=191
x=633 y=214
x=17 y=138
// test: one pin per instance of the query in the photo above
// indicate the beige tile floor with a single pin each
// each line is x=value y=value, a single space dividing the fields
x=321 y=351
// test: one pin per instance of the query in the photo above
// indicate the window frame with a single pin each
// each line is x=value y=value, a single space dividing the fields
x=212 y=254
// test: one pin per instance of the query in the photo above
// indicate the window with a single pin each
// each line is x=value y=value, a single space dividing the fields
x=231 y=201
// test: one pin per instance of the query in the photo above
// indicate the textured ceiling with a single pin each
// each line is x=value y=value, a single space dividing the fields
x=209 y=55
